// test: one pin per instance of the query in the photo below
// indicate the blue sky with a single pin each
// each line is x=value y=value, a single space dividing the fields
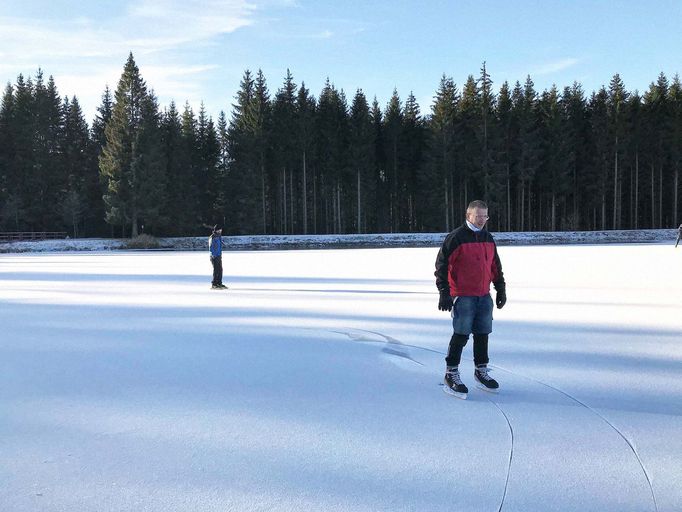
x=192 y=50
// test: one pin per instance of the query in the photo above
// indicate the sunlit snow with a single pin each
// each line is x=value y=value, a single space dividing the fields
x=312 y=383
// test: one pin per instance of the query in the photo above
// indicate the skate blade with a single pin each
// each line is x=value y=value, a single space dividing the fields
x=448 y=391
x=487 y=390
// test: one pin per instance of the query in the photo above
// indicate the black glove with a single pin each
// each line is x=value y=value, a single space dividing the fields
x=445 y=302
x=501 y=297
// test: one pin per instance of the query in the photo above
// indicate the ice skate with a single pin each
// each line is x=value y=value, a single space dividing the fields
x=485 y=381
x=453 y=384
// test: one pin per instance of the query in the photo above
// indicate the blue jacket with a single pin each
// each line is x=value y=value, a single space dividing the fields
x=215 y=244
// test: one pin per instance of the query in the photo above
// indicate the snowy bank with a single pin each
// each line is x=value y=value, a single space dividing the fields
x=280 y=242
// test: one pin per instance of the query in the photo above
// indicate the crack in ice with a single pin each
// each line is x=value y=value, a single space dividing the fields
x=391 y=340
x=600 y=416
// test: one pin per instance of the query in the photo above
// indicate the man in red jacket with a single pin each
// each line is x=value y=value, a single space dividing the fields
x=466 y=265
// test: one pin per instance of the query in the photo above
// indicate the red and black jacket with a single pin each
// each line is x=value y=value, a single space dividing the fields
x=467 y=263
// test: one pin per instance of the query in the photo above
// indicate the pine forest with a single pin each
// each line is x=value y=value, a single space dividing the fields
x=287 y=161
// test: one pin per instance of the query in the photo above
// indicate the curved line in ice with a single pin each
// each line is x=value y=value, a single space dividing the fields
x=604 y=419
x=392 y=341
x=511 y=451
x=357 y=335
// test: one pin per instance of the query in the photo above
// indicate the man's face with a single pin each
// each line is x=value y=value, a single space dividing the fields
x=478 y=217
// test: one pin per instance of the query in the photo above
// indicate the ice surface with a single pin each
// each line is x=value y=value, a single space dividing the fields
x=312 y=383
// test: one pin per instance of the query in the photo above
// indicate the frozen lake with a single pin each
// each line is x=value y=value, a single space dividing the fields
x=126 y=384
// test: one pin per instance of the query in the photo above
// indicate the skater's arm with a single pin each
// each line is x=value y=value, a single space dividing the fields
x=497 y=274
x=498 y=282
x=442 y=263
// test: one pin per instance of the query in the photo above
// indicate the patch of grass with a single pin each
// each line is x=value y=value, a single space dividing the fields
x=143 y=241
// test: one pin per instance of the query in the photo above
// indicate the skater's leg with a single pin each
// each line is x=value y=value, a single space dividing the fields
x=215 y=263
x=482 y=327
x=481 y=349
x=463 y=313
x=481 y=374
x=457 y=344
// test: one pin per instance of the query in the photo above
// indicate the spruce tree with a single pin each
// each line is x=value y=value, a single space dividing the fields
x=208 y=172
x=305 y=143
x=508 y=133
x=47 y=173
x=380 y=220
x=179 y=206
x=286 y=176
x=553 y=173
x=95 y=184
x=131 y=162
x=361 y=160
x=576 y=135
x=21 y=180
x=11 y=210
x=487 y=140
x=650 y=152
x=104 y=111
x=332 y=144
x=222 y=168
x=598 y=174
x=148 y=168
x=674 y=131
x=635 y=144
x=437 y=182
x=471 y=148
x=529 y=154
x=617 y=97
x=78 y=163
x=392 y=132
x=244 y=177
x=658 y=120
x=413 y=154
x=260 y=128
x=190 y=158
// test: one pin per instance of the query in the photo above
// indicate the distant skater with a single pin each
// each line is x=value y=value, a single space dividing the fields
x=679 y=235
x=215 y=245
x=466 y=265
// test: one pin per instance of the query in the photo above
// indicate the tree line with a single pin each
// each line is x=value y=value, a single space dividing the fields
x=291 y=163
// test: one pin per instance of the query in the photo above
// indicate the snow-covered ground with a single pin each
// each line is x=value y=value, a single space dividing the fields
x=312 y=384
x=376 y=240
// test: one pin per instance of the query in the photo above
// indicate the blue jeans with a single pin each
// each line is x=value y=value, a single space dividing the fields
x=470 y=315
x=473 y=315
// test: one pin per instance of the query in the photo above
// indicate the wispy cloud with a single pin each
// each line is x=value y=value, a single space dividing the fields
x=86 y=53
x=176 y=84
x=165 y=25
x=170 y=23
x=302 y=27
x=325 y=34
x=555 y=66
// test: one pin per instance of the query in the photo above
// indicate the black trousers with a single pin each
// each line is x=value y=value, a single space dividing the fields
x=457 y=344
x=217 y=262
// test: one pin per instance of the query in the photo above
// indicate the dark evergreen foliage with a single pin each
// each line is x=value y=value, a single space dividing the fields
x=543 y=160
x=361 y=153
x=131 y=162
